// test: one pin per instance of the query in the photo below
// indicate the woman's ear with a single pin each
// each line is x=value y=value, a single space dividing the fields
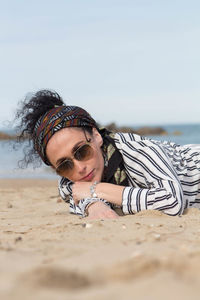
x=97 y=136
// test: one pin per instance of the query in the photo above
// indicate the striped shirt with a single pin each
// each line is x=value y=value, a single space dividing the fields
x=161 y=175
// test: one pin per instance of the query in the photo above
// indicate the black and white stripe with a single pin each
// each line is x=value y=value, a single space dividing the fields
x=171 y=173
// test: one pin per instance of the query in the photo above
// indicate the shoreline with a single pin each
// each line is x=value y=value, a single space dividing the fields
x=27 y=182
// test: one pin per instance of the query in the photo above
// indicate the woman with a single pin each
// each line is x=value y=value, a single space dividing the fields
x=101 y=171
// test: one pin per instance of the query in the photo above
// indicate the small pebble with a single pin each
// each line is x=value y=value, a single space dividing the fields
x=9 y=205
x=136 y=254
x=140 y=241
x=124 y=226
x=157 y=236
x=87 y=225
x=52 y=197
x=18 y=239
x=57 y=212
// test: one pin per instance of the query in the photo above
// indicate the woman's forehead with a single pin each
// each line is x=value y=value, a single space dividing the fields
x=70 y=132
x=63 y=141
x=69 y=135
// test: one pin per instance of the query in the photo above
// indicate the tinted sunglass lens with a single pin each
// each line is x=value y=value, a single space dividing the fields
x=84 y=152
x=65 y=166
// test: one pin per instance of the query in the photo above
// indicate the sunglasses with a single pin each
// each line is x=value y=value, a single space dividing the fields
x=82 y=153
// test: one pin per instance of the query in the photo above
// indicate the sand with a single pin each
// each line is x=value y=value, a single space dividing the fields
x=47 y=253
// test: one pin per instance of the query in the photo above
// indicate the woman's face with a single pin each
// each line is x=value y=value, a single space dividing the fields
x=61 y=145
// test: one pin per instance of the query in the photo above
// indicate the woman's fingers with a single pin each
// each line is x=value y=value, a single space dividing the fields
x=99 y=210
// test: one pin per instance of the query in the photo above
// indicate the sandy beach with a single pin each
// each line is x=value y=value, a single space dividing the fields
x=47 y=253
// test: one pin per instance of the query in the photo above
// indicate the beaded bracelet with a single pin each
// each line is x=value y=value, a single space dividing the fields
x=93 y=190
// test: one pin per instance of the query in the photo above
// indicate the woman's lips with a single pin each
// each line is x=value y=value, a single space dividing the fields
x=88 y=177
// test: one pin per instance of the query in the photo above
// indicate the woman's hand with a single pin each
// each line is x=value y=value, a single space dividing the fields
x=99 y=210
x=81 y=190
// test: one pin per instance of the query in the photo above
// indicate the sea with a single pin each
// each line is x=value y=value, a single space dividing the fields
x=181 y=134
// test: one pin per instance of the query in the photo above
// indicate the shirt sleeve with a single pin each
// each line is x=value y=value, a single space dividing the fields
x=65 y=191
x=155 y=184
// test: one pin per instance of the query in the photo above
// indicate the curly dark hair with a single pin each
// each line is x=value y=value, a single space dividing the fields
x=30 y=110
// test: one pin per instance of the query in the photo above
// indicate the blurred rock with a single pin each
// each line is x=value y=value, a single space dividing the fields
x=151 y=131
x=177 y=132
x=141 y=131
x=5 y=136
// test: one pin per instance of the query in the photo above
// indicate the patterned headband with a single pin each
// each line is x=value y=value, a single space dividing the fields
x=55 y=119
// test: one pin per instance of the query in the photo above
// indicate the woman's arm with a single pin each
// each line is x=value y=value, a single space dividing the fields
x=157 y=183
x=112 y=193
x=166 y=197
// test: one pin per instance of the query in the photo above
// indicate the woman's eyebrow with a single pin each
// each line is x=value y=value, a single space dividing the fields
x=75 y=147
x=60 y=160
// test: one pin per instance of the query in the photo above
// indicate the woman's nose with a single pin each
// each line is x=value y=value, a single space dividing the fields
x=80 y=166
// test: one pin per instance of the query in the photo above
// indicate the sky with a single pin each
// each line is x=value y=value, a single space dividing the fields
x=132 y=62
